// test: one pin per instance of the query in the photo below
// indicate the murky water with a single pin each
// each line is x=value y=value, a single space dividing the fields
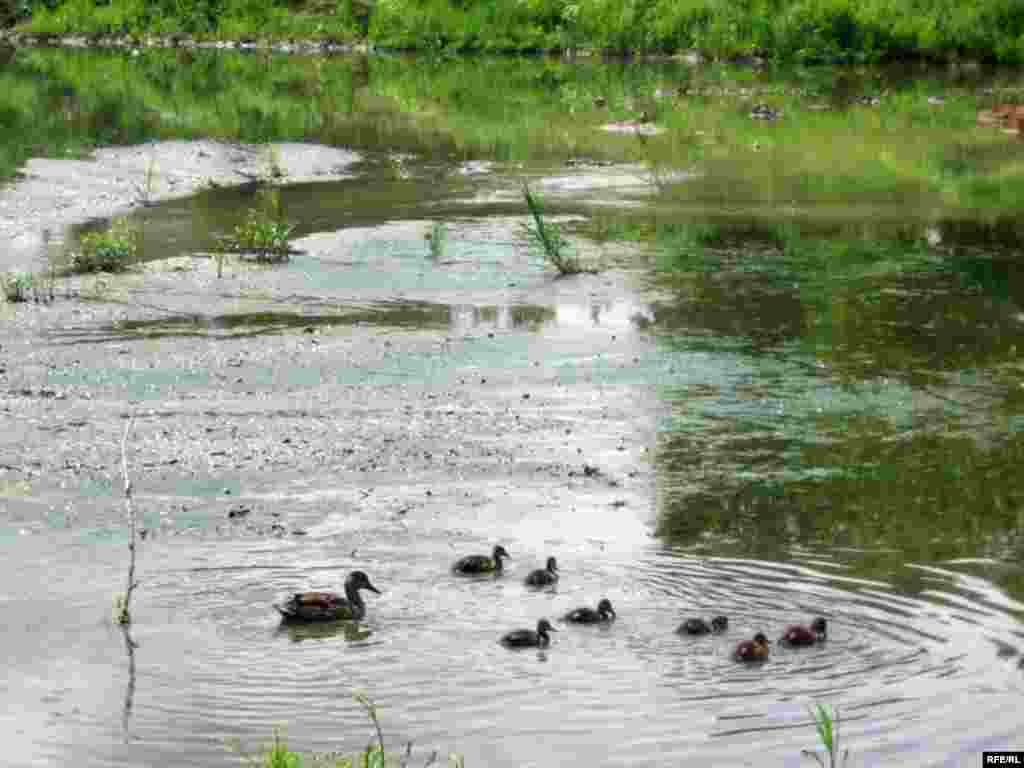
x=768 y=444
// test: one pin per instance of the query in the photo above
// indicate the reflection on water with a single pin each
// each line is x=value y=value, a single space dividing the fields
x=352 y=631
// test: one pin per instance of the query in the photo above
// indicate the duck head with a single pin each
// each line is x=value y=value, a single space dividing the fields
x=605 y=608
x=719 y=624
x=499 y=552
x=819 y=627
x=552 y=565
x=359 y=580
x=543 y=627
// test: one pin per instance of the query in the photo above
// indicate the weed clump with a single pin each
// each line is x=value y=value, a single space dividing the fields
x=110 y=251
x=264 y=234
x=16 y=286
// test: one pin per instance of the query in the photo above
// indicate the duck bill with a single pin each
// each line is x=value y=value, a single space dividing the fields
x=372 y=588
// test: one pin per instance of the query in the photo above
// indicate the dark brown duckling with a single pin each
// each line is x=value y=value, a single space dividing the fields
x=586 y=615
x=541 y=578
x=473 y=565
x=700 y=627
x=800 y=635
x=527 y=638
x=752 y=650
x=329 y=606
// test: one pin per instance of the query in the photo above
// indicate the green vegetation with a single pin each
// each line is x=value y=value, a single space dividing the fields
x=789 y=29
x=907 y=154
x=264 y=234
x=278 y=755
x=826 y=723
x=436 y=239
x=112 y=250
x=550 y=239
x=16 y=286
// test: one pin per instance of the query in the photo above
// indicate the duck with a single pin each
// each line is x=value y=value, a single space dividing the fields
x=797 y=634
x=752 y=650
x=586 y=615
x=329 y=606
x=528 y=638
x=472 y=565
x=545 y=576
x=700 y=627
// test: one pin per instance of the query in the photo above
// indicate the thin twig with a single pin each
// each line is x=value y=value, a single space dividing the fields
x=126 y=616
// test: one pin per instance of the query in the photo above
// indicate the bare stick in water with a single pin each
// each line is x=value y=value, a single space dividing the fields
x=125 y=616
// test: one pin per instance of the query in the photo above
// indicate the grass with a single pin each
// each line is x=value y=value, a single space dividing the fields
x=265 y=234
x=826 y=723
x=16 y=286
x=549 y=238
x=279 y=755
x=112 y=250
x=436 y=238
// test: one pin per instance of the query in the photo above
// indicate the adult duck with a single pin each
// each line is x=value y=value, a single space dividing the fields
x=700 y=627
x=329 y=606
x=545 y=576
x=752 y=650
x=799 y=635
x=528 y=638
x=474 y=565
x=586 y=615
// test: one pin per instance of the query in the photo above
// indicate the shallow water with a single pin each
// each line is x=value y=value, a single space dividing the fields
x=767 y=445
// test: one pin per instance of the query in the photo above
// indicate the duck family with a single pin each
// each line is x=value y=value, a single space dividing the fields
x=330 y=606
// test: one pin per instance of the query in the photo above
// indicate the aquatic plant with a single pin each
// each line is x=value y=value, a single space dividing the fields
x=436 y=239
x=264 y=234
x=550 y=238
x=278 y=755
x=826 y=723
x=16 y=286
x=112 y=250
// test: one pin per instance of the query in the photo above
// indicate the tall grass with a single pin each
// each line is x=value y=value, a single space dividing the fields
x=279 y=755
x=826 y=724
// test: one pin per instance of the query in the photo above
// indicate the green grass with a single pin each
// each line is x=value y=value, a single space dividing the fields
x=111 y=250
x=279 y=755
x=16 y=286
x=826 y=723
x=264 y=235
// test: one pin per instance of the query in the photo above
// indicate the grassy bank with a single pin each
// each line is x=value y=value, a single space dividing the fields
x=783 y=29
x=911 y=153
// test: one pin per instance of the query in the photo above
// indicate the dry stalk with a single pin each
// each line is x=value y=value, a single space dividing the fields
x=125 y=616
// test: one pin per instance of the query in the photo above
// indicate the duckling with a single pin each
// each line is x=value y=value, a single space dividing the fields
x=328 y=606
x=527 y=638
x=472 y=565
x=798 y=634
x=540 y=578
x=585 y=615
x=700 y=627
x=752 y=650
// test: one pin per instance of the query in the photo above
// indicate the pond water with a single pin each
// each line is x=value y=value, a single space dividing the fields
x=746 y=431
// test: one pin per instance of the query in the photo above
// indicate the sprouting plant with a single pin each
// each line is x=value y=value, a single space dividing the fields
x=826 y=722
x=550 y=239
x=278 y=755
x=109 y=251
x=436 y=238
x=16 y=286
x=145 y=190
x=264 y=234
x=274 y=169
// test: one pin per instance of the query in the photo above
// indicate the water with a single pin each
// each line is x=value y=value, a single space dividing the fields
x=771 y=442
